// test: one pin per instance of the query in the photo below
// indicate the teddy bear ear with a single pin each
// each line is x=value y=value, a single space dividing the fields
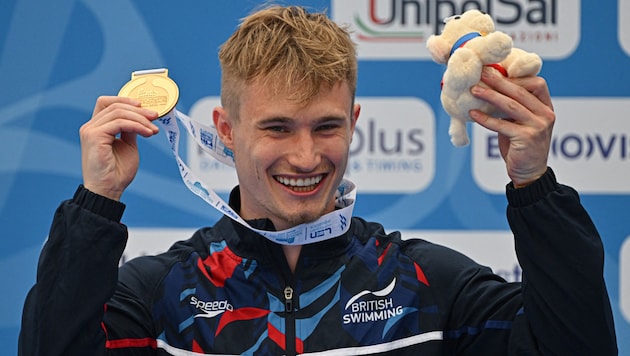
x=439 y=49
x=481 y=21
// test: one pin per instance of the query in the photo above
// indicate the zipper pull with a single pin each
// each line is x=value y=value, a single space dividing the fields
x=288 y=299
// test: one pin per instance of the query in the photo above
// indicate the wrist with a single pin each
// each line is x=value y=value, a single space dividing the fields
x=533 y=191
x=522 y=182
x=105 y=192
x=98 y=204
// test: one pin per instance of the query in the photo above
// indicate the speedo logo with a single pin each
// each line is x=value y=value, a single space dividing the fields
x=212 y=308
x=363 y=309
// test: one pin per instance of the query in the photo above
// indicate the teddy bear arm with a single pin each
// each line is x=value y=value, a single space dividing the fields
x=438 y=48
x=522 y=64
x=463 y=70
x=492 y=48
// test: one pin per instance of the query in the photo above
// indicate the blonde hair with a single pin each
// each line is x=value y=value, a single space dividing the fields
x=290 y=51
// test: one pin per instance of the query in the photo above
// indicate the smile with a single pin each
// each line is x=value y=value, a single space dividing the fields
x=300 y=184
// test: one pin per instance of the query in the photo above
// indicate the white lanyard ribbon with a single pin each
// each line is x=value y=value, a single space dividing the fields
x=327 y=226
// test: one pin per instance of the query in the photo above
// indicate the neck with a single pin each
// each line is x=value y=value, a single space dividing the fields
x=292 y=253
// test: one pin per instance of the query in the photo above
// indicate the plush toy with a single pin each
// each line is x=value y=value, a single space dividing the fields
x=467 y=43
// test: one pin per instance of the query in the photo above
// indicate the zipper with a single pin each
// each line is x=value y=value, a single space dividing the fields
x=288 y=299
x=289 y=307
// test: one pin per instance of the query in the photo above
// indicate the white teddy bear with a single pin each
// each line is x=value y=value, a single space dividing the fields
x=467 y=43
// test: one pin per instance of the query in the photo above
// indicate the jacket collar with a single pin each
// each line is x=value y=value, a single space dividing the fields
x=249 y=244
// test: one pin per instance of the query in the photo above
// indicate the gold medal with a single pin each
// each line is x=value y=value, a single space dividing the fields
x=154 y=89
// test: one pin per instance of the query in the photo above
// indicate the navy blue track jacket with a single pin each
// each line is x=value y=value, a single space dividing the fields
x=229 y=291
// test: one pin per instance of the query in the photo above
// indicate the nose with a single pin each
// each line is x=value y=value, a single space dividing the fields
x=305 y=153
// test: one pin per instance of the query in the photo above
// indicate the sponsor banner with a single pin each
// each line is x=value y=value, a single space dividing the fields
x=207 y=168
x=590 y=135
x=624 y=25
x=434 y=185
x=152 y=241
x=624 y=279
x=398 y=29
x=394 y=141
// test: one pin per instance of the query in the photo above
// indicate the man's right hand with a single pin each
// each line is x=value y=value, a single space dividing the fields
x=109 y=153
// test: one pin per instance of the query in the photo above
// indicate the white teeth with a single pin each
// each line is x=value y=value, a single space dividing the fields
x=300 y=182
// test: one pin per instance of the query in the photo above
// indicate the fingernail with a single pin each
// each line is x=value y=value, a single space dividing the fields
x=477 y=89
x=487 y=72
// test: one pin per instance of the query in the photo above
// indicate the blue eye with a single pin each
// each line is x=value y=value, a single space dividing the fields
x=326 y=127
x=276 y=129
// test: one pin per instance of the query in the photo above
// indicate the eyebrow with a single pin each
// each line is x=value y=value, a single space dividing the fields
x=288 y=120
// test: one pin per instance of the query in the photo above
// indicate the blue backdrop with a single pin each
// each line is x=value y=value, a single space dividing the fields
x=57 y=57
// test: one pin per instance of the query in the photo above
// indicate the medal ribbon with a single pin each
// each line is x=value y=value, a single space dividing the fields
x=327 y=226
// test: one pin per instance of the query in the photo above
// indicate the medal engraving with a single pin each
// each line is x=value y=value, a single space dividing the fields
x=154 y=89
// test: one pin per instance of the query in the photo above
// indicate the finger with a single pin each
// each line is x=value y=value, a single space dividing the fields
x=103 y=102
x=107 y=104
x=106 y=127
x=121 y=111
x=504 y=127
x=517 y=96
x=118 y=111
x=516 y=112
x=537 y=86
x=519 y=116
x=121 y=126
x=135 y=124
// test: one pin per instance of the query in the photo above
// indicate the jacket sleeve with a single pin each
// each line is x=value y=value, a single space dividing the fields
x=76 y=275
x=566 y=308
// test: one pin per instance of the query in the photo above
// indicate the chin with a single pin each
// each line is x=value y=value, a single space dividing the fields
x=304 y=217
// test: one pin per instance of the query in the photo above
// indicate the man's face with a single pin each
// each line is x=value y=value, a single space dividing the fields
x=289 y=157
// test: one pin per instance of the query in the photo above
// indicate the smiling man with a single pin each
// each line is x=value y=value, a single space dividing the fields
x=288 y=115
x=295 y=153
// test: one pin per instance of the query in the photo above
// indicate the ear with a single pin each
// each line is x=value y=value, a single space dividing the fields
x=478 y=21
x=439 y=49
x=223 y=125
x=356 y=110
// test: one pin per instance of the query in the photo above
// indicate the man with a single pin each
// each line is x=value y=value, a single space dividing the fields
x=288 y=115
